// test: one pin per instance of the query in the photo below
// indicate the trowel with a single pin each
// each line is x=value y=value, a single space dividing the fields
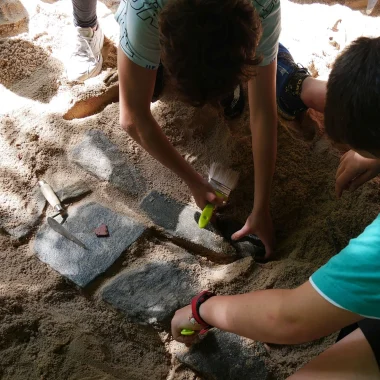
x=51 y=197
x=54 y=202
x=64 y=232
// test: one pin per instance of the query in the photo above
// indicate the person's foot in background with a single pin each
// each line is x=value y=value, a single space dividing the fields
x=86 y=59
x=290 y=78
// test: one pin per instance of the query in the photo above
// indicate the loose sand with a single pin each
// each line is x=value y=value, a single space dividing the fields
x=51 y=330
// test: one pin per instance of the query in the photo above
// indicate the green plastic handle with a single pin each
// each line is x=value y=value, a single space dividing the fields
x=187 y=332
x=206 y=215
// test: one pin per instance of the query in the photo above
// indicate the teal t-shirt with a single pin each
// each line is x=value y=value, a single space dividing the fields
x=351 y=279
x=139 y=38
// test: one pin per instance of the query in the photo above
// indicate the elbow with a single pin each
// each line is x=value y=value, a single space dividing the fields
x=128 y=126
x=131 y=128
x=298 y=332
x=290 y=332
x=138 y=126
x=291 y=327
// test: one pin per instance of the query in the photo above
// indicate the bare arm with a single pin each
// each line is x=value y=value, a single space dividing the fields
x=273 y=316
x=136 y=90
x=263 y=120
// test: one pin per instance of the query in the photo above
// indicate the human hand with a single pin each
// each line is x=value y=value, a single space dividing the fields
x=260 y=224
x=353 y=171
x=204 y=193
x=181 y=321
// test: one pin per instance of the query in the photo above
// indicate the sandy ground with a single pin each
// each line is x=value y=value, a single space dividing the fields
x=51 y=330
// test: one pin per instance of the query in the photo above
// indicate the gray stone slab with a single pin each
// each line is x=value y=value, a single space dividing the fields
x=224 y=356
x=101 y=158
x=181 y=221
x=73 y=191
x=150 y=294
x=79 y=265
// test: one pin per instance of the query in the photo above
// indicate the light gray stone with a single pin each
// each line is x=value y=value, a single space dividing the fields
x=80 y=265
x=101 y=158
x=151 y=293
x=73 y=191
x=224 y=356
x=181 y=222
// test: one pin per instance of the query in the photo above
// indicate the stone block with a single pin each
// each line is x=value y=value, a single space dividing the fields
x=83 y=265
x=181 y=222
x=100 y=157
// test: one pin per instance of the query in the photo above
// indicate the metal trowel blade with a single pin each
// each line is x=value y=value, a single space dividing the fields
x=65 y=233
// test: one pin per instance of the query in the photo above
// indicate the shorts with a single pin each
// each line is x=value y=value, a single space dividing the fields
x=370 y=329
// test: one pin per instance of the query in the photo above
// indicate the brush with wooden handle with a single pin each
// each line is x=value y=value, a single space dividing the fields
x=223 y=180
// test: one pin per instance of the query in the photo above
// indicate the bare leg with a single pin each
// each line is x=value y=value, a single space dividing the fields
x=350 y=359
x=313 y=93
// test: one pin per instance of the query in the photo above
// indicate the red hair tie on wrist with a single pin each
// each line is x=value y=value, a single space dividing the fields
x=196 y=302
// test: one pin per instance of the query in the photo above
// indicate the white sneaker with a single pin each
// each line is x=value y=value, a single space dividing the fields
x=86 y=60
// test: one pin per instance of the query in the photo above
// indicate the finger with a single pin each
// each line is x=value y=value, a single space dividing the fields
x=344 y=156
x=269 y=244
x=241 y=233
x=211 y=197
x=340 y=170
x=187 y=340
x=214 y=199
x=346 y=163
x=338 y=190
x=180 y=338
x=342 y=182
x=346 y=178
x=176 y=332
x=360 y=180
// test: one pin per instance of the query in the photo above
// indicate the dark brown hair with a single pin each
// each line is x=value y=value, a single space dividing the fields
x=352 y=112
x=208 y=46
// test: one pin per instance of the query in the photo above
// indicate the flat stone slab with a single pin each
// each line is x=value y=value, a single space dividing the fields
x=100 y=157
x=73 y=191
x=224 y=356
x=180 y=221
x=151 y=293
x=80 y=265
